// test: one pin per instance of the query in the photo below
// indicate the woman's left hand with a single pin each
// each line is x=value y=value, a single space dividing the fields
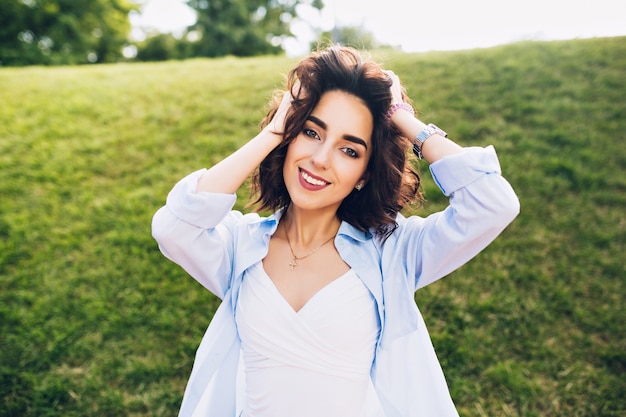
x=396 y=88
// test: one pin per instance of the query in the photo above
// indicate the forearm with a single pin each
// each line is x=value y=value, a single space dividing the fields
x=435 y=147
x=482 y=205
x=228 y=175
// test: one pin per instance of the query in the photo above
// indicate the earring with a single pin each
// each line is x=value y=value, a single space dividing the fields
x=359 y=186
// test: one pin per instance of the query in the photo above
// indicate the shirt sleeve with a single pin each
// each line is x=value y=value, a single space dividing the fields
x=482 y=205
x=195 y=230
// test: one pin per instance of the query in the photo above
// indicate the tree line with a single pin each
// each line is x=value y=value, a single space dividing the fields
x=71 y=32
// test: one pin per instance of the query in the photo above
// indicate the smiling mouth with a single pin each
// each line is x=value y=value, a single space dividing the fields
x=311 y=180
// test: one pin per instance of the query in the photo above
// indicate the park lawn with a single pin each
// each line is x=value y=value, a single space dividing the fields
x=94 y=321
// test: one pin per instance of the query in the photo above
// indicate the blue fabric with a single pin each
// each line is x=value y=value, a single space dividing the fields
x=215 y=245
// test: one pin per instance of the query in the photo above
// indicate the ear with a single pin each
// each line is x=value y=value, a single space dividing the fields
x=365 y=178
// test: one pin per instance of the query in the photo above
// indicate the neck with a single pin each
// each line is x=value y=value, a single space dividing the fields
x=308 y=229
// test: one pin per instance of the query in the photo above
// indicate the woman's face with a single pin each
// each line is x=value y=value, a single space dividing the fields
x=329 y=157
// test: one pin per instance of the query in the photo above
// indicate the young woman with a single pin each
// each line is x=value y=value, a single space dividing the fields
x=317 y=315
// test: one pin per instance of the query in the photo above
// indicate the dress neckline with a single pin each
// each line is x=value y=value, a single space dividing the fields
x=315 y=296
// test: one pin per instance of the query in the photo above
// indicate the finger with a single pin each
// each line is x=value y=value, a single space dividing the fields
x=277 y=124
x=396 y=87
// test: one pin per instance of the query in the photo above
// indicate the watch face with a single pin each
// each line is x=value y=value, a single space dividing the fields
x=438 y=130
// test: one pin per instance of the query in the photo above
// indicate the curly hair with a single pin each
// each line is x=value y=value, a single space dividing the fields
x=392 y=183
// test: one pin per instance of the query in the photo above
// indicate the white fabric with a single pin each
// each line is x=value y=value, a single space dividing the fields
x=216 y=245
x=310 y=363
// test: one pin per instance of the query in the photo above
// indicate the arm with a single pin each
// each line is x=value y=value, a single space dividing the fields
x=433 y=149
x=196 y=231
x=196 y=227
x=228 y=175
x=482 y=203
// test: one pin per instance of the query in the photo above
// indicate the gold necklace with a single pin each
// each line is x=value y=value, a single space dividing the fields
x=293 y=262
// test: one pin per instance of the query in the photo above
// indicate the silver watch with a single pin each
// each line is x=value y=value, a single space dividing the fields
x=429 y=130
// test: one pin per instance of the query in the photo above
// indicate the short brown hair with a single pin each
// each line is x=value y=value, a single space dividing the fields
x=392 y=182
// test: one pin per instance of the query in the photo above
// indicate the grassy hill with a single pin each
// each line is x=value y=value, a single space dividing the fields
x=95 y=322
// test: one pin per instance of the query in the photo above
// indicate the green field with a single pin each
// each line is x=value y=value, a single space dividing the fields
x=94 y=321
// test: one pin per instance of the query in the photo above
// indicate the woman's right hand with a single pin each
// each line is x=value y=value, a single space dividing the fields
x=227 y=175
x=277 y=124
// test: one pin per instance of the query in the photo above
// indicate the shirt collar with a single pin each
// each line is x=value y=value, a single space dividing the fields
x=270 y=223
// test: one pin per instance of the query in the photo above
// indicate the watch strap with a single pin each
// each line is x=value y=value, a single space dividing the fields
x=428 y=130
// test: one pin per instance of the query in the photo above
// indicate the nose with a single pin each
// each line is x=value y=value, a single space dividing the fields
x=321 y=157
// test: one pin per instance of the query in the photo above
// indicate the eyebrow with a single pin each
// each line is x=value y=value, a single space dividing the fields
x=350 y=138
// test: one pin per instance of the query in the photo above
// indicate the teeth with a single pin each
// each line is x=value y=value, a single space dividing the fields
x=312 y=180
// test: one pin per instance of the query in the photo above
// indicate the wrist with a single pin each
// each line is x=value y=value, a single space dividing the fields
x=269 y=136
x=400 y=106
x=426 y=133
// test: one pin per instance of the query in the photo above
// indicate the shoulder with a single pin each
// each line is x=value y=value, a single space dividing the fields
x=406 y=226
x=253 y=224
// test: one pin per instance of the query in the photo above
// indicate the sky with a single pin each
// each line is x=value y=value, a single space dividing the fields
x=419 y=26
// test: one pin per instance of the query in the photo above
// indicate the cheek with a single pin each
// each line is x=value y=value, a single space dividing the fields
x=292 y=156
x=364 y=168
x=353 y=173
x=292 y=151
x=295 y=149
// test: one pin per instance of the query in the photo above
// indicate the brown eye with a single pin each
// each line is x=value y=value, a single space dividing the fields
x=351 y=152
x=311 y=133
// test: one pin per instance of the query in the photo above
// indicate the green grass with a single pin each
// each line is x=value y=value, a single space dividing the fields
x=95 y=322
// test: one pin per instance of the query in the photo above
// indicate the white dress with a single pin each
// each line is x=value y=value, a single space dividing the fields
x=310 y=363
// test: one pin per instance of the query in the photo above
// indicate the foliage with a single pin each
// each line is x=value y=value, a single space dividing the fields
x=54 y=32
x=241 y=27
x=161 y=47
x=95 y=322
x=354 y=36
x=165 y=46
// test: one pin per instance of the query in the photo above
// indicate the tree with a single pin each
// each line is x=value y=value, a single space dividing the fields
x=354 y=36
x=53 y=32
x=159 y=47
x=242 y=27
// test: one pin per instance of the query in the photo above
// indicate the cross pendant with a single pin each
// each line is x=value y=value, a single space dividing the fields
x=292 y=264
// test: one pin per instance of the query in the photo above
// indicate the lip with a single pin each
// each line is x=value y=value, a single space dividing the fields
x=309 y=186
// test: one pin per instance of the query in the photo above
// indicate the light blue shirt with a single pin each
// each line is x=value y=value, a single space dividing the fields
x=215 y=245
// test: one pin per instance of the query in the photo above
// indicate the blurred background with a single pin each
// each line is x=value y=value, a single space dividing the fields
x=59 y=32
